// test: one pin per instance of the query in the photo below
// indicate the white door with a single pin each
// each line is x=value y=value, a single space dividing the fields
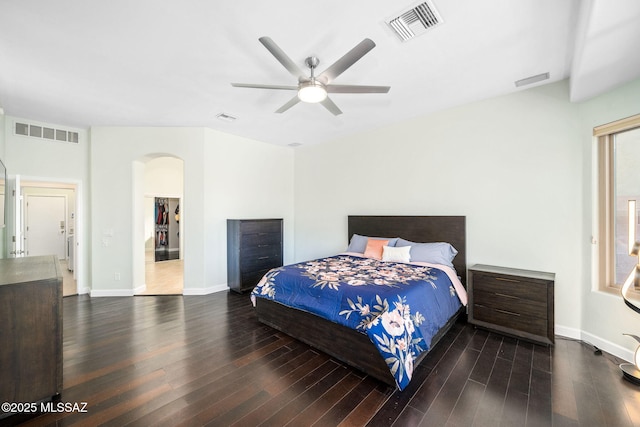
x=45 y=227
x=14 y=237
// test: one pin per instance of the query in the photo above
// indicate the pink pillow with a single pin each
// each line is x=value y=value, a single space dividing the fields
x=374 y=248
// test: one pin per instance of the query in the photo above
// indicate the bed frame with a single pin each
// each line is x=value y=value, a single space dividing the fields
x=350 y=346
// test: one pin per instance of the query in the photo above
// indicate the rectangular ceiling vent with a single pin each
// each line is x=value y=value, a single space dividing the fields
x=225 y=117
x=415 y=21
x=45 y=132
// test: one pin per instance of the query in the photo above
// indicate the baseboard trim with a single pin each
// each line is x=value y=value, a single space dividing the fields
x=566 y=332
x=608 y=346
x=111 y=293
x=131 y=292
x=205 y=291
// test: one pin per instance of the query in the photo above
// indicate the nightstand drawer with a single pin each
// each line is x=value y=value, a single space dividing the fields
x=499 y=301
x=510 y=319
x=511 y=286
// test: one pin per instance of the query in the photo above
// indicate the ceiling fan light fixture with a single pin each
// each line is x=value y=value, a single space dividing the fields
x=312 y=92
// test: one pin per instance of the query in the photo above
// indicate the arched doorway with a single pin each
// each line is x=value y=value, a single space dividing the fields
x=162 y=190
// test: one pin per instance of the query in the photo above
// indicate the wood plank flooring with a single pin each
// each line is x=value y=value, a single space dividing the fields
x=205 y=360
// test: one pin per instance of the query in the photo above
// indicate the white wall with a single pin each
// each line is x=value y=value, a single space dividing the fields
x=164 y=176
x=519 y=168
x=2 y=132
x=3 y=200
x=244 y=179
x=117 y=188
x=223 y=176
x=510 y=164
x=43 y=160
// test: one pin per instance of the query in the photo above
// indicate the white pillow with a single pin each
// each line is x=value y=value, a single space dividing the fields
x=401 y=254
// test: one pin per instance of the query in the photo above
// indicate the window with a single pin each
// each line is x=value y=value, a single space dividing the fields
x=618 y=182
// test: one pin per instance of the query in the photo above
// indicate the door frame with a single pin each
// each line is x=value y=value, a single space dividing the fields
x=80 y=270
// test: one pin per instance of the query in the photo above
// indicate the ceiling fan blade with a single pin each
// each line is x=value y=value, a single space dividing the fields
x=329 y=105
x=346 y=61
x=293 y=101
x=261 y=86
x=356 y=89
x=282 y=57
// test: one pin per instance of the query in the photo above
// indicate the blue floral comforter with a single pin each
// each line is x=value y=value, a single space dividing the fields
x=399 y=306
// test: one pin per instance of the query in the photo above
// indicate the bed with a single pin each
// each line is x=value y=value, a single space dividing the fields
x=352 y=346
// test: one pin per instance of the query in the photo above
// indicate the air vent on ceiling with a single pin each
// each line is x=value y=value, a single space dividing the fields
x=415 y=21
x=44 y=132
x=225 y=117
x=533 y=79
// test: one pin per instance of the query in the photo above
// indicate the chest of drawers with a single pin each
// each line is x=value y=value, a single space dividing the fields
x=30 y=330
x=254 y=246
x=512 y=301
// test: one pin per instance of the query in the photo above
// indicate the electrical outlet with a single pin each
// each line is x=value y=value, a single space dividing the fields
x=116 y=276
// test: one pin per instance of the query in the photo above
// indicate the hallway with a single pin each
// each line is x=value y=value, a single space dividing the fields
x=69 y=284
x=164 y=277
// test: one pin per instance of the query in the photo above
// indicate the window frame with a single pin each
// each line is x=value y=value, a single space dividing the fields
x=605 y=135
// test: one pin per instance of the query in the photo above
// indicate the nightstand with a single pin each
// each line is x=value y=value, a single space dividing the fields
x=512 y=301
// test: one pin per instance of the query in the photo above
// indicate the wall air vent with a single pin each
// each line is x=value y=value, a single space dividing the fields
x=44 y=132
x=415 y=21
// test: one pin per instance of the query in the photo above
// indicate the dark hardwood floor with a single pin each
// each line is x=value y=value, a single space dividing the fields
x=205 y=360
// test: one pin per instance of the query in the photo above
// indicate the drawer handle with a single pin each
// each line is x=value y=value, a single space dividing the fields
x=506 y=296
x=264 y=257
x=507 y=280
x=507 y=312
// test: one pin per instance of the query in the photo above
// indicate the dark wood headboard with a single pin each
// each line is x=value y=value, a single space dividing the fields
x=450 y=229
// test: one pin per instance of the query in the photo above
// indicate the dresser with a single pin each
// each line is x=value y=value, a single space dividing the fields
x=254 y=246
x=30 y=329
x=512 y=301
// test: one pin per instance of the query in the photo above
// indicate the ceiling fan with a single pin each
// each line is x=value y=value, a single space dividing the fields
x=315 y=89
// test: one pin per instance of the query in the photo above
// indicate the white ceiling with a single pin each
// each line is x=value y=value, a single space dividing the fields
x=85 y=63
